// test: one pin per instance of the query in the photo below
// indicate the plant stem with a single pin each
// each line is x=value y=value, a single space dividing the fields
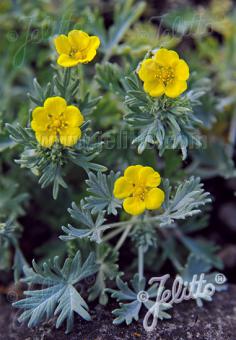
x=140 y=262
x=66 y=80
x=120 y=224
x=123 y=237
x=81 y=79
x=113 y=233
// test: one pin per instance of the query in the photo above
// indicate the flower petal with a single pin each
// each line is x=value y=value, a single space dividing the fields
x=62 y=44
x=154 y=198
x=155 y=88
x=131 y=174
x=122 y=188
x=166 y=57
x=67 y=61
x=40 y=119
x=55 y=105
x=149 y=177
x=79 y=40
x=134 y=206
x=182 y=70
x=94 y=42
x=70 y=136
x=175 y=88
x=147 y=70
x=85 y=56
x=73 y=116
x=46 y=139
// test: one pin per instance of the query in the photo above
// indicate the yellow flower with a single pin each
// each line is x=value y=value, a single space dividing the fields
x=138 y=188
x=164 y=73
x=78 y=47
x=56 y=121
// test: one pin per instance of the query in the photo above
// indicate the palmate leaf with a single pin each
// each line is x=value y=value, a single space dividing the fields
x=101 y=197
x=88 y=223
x=187 y=200
x=132 y=300
x=59 y=297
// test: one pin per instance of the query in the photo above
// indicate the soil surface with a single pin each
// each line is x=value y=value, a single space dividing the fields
x=215 y=321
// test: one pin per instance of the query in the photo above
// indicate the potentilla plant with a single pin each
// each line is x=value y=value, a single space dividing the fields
x=152 y=215
x=58 y=132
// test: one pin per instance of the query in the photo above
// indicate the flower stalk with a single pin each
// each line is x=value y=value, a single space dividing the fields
x=140 y=262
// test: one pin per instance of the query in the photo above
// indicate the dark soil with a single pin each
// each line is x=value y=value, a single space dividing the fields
x=215 y=321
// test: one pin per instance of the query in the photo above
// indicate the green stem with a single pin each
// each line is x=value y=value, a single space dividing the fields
x=113 y=233
x=140 y=262
x=81 y=81
x=120 y=224
x=123 y=237
x=66 y=79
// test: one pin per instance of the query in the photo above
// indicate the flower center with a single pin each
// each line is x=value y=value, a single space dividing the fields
x=78 y=54
x=57 y=124
x=165 y=74
x=139 y=192
x=73 y=53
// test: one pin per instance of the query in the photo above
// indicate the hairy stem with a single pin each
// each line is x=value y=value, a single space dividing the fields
x=125 y=223
x=66 y=80
x=123 y=237
x=113 y=233
x=140 y=262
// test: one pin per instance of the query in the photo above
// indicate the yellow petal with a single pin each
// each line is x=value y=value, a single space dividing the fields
x=79 y=40
x=134 y=206
x=154 y=198
x=122 y=188
x=73 y=116
x=90 y=55
x=147 y=70
x=175 y=88
x=155 y=88
x=55 y=105
x=85 y=56
x=62 y=44
x=149 y=177
x=166 y=57
x=70 y=136
x=94 y=42
x=131 y=174
x=67 y=61
x=40 y=119
x=182 y=70
x=46 y=139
